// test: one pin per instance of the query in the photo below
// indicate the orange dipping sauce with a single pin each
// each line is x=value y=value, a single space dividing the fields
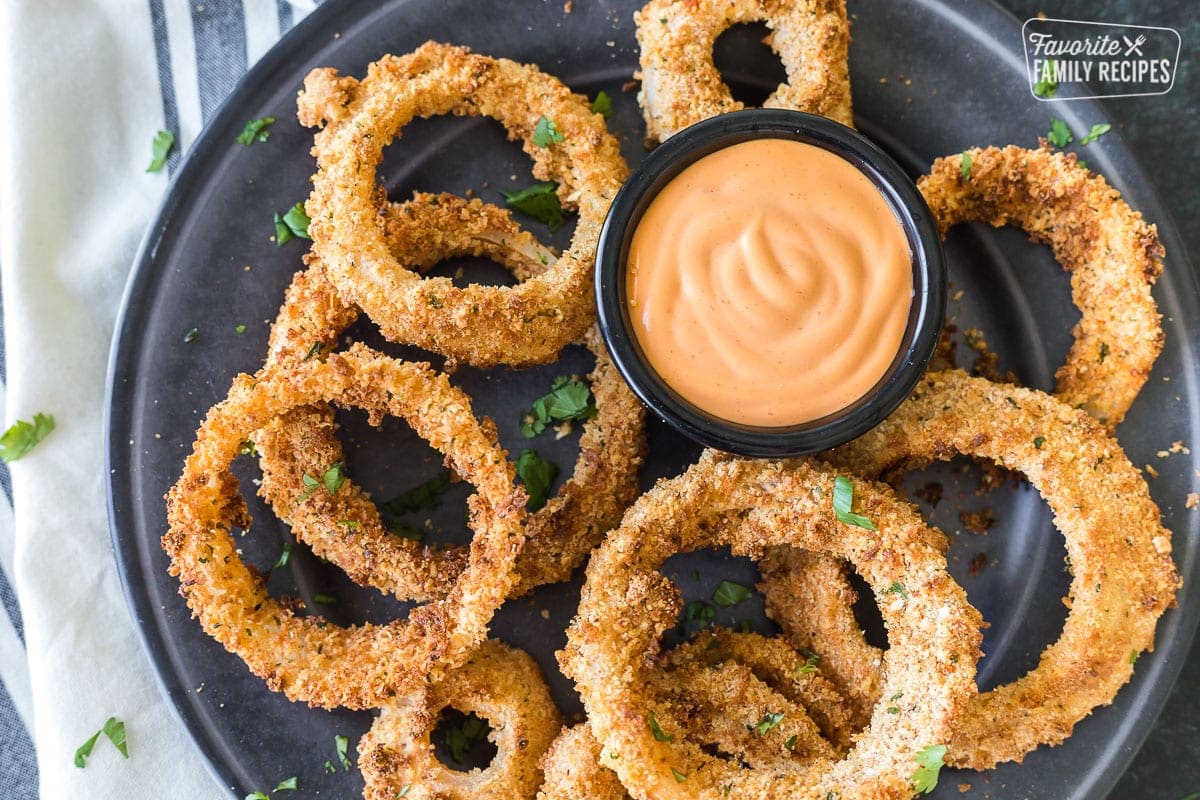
x=769 y=283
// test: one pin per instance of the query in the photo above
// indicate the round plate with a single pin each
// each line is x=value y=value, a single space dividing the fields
x=931 y=80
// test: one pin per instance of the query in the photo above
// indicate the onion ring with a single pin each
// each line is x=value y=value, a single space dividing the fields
x=1123 y=577
x=424 y=231
x=573 y=769
x=500 y=684
x=479 y=325
x=681 y=86
x=1113 y=255
x=611 y=652
x=308 y=658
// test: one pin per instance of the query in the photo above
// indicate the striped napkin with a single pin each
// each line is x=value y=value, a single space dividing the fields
x=84 y=87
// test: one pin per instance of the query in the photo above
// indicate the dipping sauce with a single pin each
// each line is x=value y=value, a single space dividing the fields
x=769 y=283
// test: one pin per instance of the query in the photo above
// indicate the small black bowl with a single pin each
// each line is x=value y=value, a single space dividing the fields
x=928 y=272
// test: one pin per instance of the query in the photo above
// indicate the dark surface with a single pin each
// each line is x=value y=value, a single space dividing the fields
x=1164 y=134
x=967 y=87
x=925 y=316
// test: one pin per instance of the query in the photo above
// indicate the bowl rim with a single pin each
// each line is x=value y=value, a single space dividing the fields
x=926 y=311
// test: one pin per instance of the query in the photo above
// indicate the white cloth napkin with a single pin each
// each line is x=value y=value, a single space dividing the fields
x=81 y=100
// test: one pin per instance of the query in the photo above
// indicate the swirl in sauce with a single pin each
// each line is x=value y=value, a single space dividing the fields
x=769 y=283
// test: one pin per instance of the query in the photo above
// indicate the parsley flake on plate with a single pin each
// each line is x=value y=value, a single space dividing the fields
x=730 y=594
x=602 y=105
x=539 y=201
x=1059 y=135
x=422 y=496
x=568 y=400
x=291 y=225
x=256 y=130
x=538 y=475
x=1096 y=131
x=114 y=731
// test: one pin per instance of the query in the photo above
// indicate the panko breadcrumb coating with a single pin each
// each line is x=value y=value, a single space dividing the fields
x=681 y=86
x=306 y=657
x=498 y=683
x=423 y=231
x=478 y=325
x=1113 y=255
x=612 y=653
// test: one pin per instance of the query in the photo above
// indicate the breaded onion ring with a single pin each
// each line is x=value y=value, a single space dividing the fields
x=479 y=325
x=611 y=652
x=1113 y=256
x=308 y=658
x=424 y=231
x=1123 y=577
x=810 y=598
x=681 y=86
x=778 y=665
x=498 y=683
x=574 y=769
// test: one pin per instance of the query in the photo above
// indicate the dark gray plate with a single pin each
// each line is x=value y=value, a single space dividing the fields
x=929 y=79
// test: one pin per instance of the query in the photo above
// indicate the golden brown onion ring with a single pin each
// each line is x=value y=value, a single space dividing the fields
x=1113 y=256
x=611 y=653
x=574 y=769
x=498 y=683
x=308 y=658
x=479 y=325
x=1123 y=577
x=424 y=231
x=681 y=86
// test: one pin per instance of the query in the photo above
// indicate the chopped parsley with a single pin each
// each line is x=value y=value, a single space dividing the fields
x=291 y=225
x=256 y=130
x=897 y=588
x=403 y=790
x=289 y=785
x=258 y=796
x=1059 y=135
x=539 y=201
x=568 y=400
x=811 y=660
x=843 y=502
x=114 y=731
x=769 y=722
x=21 y=436
x=659 y=735
x=240 y=329
x=422 y=496
x=247 y=448
x=461 y=738
x=964 y=169
x=925 y=778
x=1047 y=86
x=332 y=479
x=602 y=105
x=1103 y=352
x=791 y=742
x=325 y=599
x=1133 y=657
x=546 y=133
x=282 y=561
x=191 y=335
x=729 y=594
x=406 y=531
x=159 y=148
x=1096 y=131
x=1039 y=441
x=893 y=710
x=538 y=475
x=701 y=612
x=680 y=777
x=341 y=744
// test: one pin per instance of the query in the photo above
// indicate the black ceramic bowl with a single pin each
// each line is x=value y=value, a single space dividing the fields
x=928 y=275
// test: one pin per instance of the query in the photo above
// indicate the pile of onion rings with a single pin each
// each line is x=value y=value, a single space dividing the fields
x=815 y=712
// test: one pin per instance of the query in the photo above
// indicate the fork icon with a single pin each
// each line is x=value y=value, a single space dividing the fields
x=1134 y=47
